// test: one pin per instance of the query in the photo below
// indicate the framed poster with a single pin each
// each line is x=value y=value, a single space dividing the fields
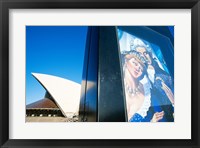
x=114 y=78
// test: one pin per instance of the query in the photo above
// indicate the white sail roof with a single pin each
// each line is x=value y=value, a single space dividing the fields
x=65 y=93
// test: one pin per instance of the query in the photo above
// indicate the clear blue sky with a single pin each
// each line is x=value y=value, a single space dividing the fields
x=54 y=50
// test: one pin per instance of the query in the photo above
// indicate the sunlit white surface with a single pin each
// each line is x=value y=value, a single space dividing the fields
x=65 y=93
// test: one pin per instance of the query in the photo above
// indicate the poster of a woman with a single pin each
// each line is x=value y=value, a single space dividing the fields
x=148 y=85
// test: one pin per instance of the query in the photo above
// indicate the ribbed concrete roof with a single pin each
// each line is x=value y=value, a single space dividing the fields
x=43 y=103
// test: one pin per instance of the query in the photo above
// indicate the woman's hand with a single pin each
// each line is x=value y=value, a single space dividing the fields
x=157 y=116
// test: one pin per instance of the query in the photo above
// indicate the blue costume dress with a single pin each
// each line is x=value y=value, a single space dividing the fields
x=159 y=99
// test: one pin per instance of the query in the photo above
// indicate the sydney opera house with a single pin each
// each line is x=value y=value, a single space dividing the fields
x=60 y=107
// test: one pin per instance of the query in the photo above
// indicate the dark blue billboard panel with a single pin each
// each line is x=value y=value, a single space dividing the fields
x=147 y=77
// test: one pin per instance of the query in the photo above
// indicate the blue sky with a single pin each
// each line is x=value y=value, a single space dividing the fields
x=54 y=50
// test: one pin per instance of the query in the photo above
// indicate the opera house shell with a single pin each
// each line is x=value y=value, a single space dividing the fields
x=60 y=103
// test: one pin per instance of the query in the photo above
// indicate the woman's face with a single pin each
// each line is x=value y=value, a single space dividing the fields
x=135 y=68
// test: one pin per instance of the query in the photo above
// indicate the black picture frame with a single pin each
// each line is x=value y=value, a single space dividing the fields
x=5 y=5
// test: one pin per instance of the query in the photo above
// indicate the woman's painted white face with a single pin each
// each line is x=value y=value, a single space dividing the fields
x=135 y=68
x=145 y=54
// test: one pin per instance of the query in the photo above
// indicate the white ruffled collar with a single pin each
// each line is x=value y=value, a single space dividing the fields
x=147 y=100
x=145 y=106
